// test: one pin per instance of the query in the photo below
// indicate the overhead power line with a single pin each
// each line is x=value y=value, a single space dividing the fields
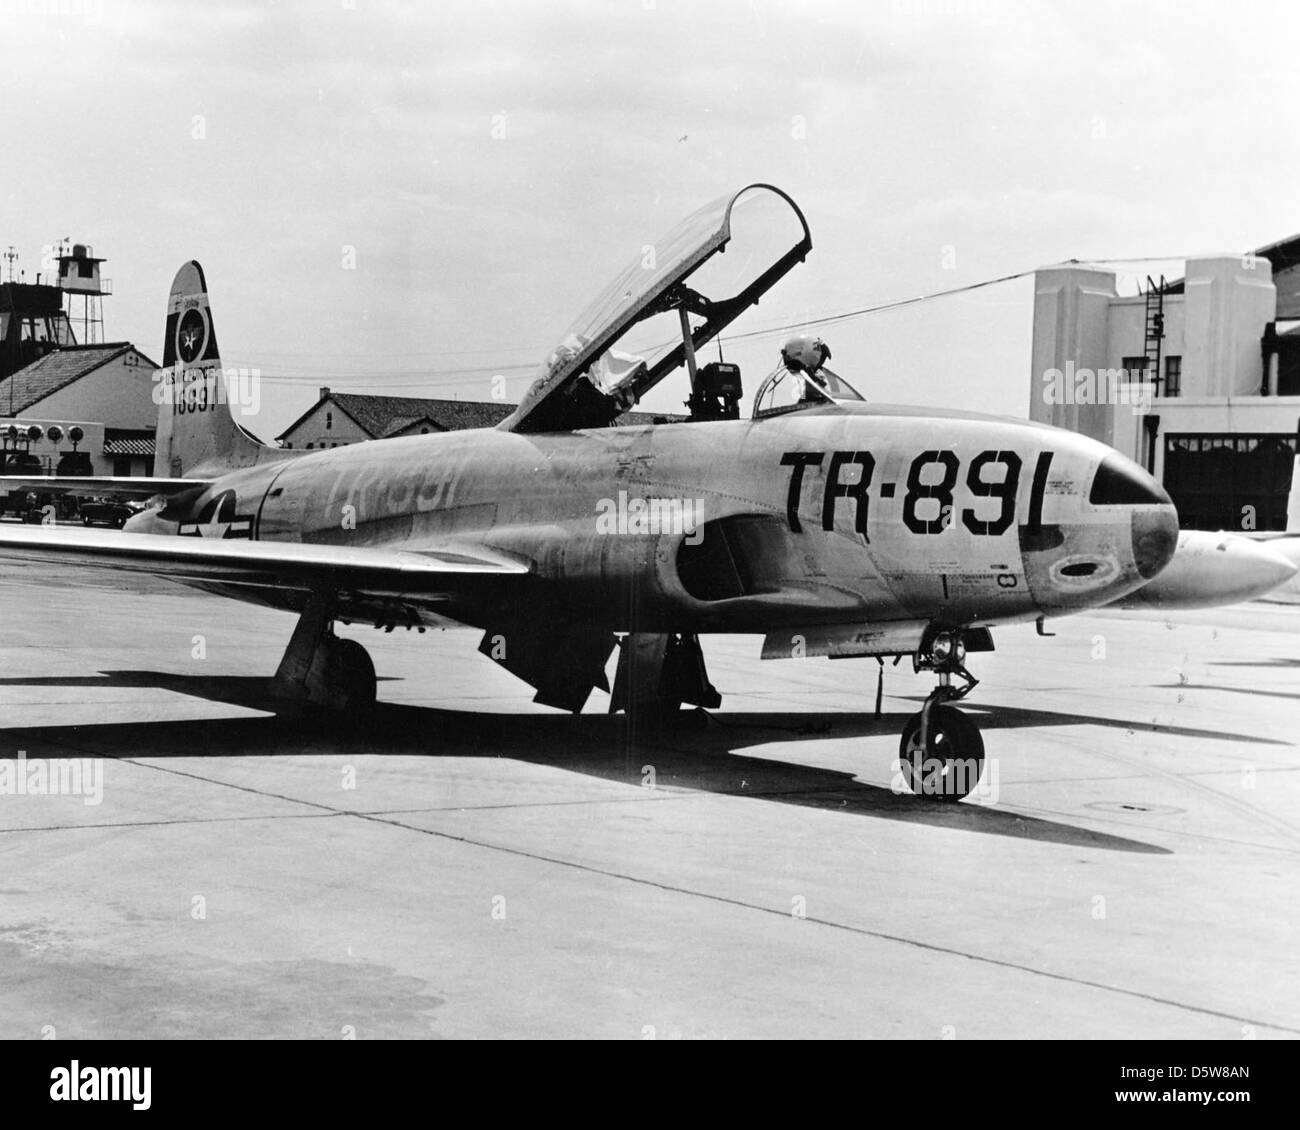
x=883 y=306
x=413 y=378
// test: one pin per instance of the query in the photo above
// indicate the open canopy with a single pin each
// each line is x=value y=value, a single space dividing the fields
x=588 y=380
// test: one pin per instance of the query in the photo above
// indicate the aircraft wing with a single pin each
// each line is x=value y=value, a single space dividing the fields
x=120 y=486
x=378 y=573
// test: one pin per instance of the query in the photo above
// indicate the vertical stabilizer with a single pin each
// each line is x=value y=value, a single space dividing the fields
x=197 y=433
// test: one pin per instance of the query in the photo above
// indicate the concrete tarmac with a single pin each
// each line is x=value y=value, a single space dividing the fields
x=473 y=865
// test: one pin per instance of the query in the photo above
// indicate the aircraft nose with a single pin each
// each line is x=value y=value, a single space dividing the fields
x=1155 y=537
x=1121 y=482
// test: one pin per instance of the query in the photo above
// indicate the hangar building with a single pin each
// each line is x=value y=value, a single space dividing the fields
x=1197 y=379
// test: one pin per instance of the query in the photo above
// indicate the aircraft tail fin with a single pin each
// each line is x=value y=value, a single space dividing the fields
x=197 y=432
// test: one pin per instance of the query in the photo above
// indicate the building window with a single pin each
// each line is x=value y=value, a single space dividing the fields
x=1173 y=376
x=1230 y=480
x=329 y=421
x=1136 y=369
x=310 y=446
x=122 y=466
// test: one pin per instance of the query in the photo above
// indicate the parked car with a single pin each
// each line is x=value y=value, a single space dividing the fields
x=107 y=512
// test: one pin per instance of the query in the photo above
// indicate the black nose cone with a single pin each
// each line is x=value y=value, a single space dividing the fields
x=1121 y=482
x=1155 y=537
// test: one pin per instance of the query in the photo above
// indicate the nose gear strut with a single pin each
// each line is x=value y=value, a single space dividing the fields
x=941 y=752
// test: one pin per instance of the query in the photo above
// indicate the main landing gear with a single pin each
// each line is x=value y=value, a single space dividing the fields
x=657 y=674
x=324 y=669
x=941 y=753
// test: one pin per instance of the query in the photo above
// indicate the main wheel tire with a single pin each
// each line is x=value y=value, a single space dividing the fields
x=353 y=677
x=950 y=768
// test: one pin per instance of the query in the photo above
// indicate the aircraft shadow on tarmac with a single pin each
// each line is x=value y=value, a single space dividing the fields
x=1275 y=661
x=699 y=753
x=1230 y=690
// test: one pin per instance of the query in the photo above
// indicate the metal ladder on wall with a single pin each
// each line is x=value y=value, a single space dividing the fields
x=1155 y=328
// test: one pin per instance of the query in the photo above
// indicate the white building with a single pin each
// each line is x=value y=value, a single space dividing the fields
x=1199 y=380
x=340 y=418
x=111 y=384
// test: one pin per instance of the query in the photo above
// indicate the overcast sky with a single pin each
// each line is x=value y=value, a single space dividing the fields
x=493 y=164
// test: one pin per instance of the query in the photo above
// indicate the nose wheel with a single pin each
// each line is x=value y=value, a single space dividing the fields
x=942 y=760
x=941 y=752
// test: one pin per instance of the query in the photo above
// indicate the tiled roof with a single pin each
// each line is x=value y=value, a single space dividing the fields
x=382 y=416
x=377 y=415
x=28 y=386
x=401 y=423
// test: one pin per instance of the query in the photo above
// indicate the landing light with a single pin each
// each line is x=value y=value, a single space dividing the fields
x=948 y=646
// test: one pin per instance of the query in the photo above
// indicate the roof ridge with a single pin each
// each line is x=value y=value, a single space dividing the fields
x=78 y=345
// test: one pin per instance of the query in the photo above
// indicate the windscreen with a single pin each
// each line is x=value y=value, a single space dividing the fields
x=786 y=391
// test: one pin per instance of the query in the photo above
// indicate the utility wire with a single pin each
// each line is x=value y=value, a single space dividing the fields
x=449 y=376
x=880 y=308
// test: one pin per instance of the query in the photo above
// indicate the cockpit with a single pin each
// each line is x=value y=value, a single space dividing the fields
x=802 y=380
x=785 y=391
x=656 y=316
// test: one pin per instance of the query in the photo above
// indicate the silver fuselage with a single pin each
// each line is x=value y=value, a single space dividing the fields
x=834 y=515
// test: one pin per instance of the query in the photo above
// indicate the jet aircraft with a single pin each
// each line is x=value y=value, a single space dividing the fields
x=828 y=525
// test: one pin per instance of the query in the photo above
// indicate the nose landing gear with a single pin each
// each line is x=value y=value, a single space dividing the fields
x=941 y=753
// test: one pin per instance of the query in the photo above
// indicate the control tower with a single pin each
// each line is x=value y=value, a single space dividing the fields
x=79 y=278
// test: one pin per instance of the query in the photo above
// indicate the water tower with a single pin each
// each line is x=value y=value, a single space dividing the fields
x=79 y=278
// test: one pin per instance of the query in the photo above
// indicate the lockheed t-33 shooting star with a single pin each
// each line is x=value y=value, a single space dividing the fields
x=827 y=525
